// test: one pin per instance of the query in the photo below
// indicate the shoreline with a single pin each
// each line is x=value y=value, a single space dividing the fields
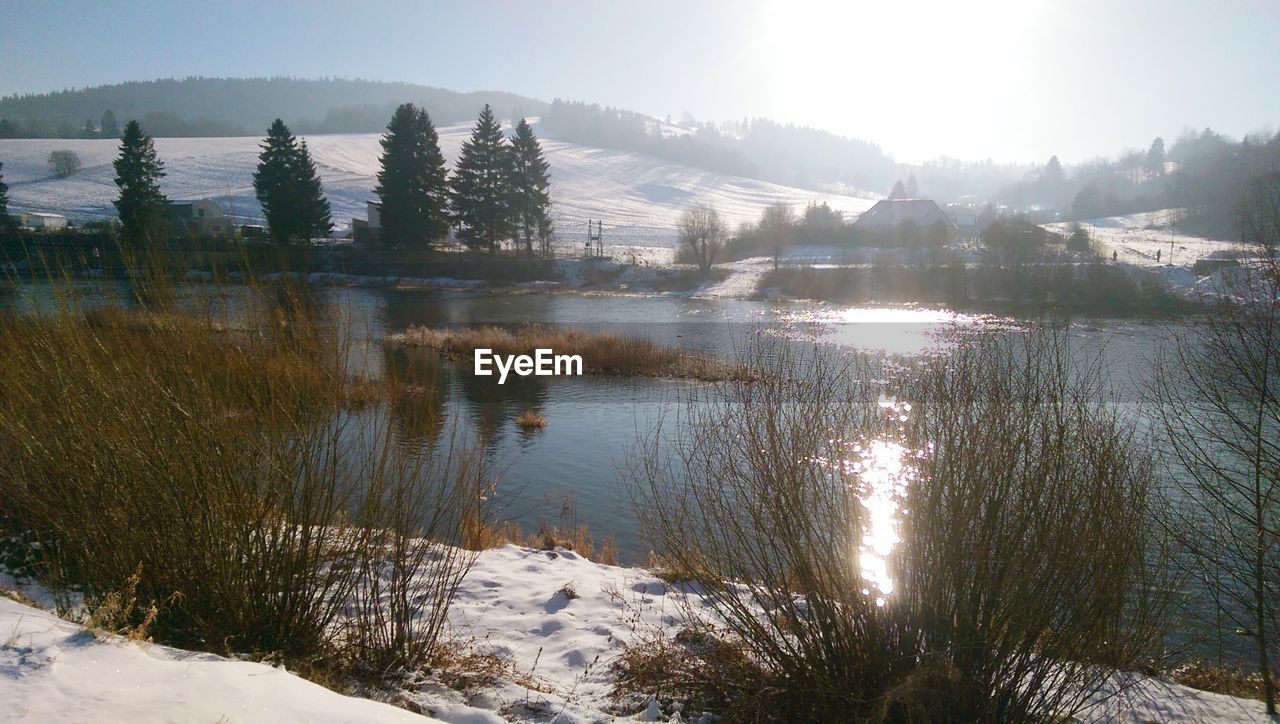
x=557 y=651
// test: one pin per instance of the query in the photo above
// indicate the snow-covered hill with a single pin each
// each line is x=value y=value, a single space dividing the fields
x=638 y=197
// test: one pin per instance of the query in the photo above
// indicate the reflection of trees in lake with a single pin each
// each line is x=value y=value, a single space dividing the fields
x=492 y=406
x=420 y=387
x=404 y=309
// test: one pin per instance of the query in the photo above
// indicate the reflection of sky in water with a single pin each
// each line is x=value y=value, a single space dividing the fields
x=889 y=330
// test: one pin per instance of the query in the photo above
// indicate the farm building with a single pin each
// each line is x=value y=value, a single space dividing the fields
x=201 y=217
x=902 y=222
x=51 y=222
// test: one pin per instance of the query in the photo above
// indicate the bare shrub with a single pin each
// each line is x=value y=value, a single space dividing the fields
x=974 y=558
x=1217 y=393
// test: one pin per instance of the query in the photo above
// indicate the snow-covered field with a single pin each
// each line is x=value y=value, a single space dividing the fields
x=1150 y=241
x=638 y=197
x=515 y=603
x=1144 y=239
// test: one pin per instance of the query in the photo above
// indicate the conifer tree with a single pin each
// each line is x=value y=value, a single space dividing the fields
x=530 y=189
x=288 y=187
x=480 y=190
x=413 y=183
x=110 y=128
x=1156 y=157
x=138 y=174
x=313 y=208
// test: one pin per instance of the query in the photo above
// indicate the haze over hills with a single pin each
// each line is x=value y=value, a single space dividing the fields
x=1204 y=173
x=786 y=154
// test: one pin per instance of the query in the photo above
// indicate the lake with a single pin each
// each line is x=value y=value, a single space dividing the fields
x=579 y=469
x=580 y=462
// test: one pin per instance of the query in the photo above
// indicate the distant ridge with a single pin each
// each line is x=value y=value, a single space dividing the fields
x=199 y=106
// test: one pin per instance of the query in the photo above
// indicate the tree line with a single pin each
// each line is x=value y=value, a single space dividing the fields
x=201 y=106
x=1203 y=172
x=499 y=191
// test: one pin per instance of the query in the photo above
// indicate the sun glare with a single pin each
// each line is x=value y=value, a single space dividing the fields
x=882 y=472
x=891 y=71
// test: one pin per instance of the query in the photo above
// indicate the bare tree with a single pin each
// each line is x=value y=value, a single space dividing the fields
x=63 y=163
x=703 y=232
x=1218 y=390
x=777 y=225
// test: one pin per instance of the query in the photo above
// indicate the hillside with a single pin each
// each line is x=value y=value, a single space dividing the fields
x=246 y=106
x=639 y=197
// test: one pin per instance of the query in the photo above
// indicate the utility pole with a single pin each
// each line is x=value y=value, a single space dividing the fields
x=595 y=233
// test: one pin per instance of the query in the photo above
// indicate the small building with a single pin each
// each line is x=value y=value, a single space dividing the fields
x=903 y=222
x=46 y=222
x=200 y=217
x=967 y=218
x=253 y=231
x=368 y=231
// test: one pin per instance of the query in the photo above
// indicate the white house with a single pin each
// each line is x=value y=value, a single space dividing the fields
x=200 y=217
x=50 y=222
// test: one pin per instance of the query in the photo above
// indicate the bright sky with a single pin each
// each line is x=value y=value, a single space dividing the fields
x=1013 y=80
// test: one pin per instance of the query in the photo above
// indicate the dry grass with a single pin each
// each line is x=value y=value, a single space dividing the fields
x=602 y=353
x=464 y=666
x=118 y=612
x=1220 y=681
x=481 y=535
x=531 y=420
x=196 y=480
x=671 y=570
x=699 y=668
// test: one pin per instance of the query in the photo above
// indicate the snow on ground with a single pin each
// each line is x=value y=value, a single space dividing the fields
x=514 y=603
x=638 y=197
x=559 y=619
x=1140 y=699
x=1140 y=239
x=743 y=281
x=53 y=670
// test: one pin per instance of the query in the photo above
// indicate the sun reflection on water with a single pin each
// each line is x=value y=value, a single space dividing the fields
x=889 y=330
x=882 y=471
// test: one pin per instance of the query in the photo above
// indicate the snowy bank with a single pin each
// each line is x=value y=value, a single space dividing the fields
x=53 y=670
x=557 y=619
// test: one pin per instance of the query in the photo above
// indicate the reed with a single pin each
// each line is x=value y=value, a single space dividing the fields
x=602 y=353
x=205 y=463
